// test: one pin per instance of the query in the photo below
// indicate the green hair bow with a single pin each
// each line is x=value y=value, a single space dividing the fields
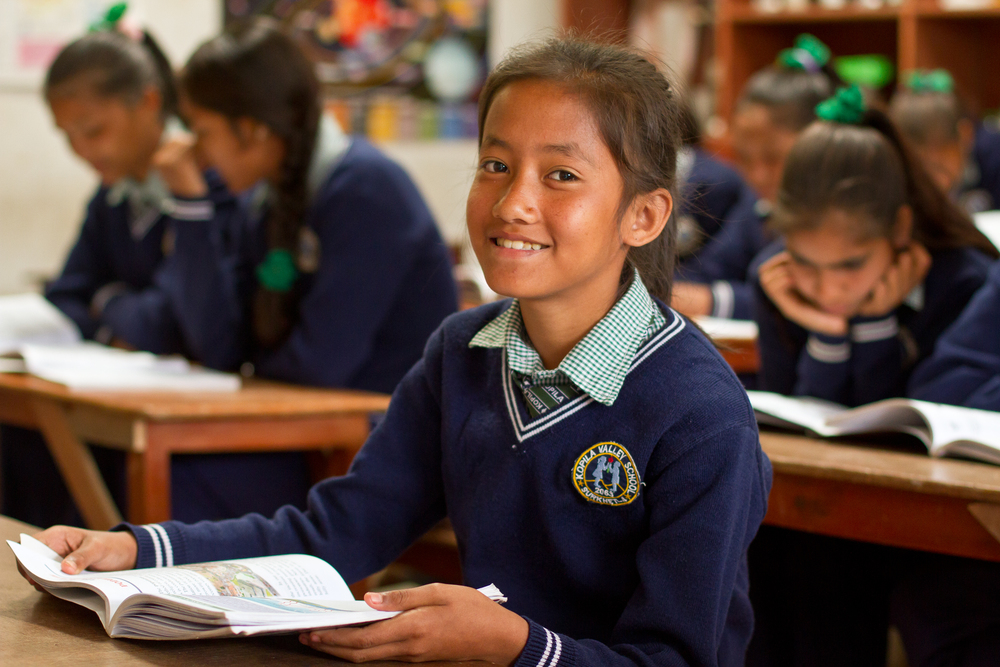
x=847 y=106
x=808 y=54
x=930 y=81
x=277 y=272
x=111 y=18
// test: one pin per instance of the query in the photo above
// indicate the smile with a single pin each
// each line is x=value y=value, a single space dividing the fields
x=517 y=245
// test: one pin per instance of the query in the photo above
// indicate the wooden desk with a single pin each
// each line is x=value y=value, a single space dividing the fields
x=893 y=498
x=150 y=427
x=38 y=629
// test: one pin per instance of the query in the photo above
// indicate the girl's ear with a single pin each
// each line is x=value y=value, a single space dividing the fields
x=902 y=232
x=151 y=101
x=647 y=217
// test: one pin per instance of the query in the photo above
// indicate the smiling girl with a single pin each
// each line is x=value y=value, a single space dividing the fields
x=874 y=262
x=597 y=458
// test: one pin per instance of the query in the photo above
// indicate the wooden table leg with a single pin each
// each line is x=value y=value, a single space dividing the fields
x=77 y=466
x=149 y=479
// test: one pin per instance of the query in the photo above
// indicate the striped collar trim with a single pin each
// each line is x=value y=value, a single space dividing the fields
x=599 y=362
x=524 y=430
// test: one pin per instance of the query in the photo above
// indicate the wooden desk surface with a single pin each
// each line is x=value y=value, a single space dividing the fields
x=38 y=629
x=886 y=497
x=258 y=398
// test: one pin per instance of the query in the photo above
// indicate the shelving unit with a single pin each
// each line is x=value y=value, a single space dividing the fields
x=915 y=34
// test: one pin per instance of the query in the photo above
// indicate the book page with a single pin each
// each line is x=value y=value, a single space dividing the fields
x=803 y=411
x=953 y=424
x=30 y=318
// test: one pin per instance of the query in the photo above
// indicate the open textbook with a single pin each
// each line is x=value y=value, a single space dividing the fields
x=37 y=338
x=946 y=430
x=252 y=596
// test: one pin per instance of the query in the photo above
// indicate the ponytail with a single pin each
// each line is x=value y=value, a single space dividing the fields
x=254 y=70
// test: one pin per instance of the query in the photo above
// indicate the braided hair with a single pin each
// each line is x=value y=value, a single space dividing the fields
x=255 y=70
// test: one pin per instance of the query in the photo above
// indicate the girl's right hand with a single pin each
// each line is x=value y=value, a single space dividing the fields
x=94 y=549
x=178 y=167
x=777 y=283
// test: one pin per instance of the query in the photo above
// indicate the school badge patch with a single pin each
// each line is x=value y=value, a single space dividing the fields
x=606 y=474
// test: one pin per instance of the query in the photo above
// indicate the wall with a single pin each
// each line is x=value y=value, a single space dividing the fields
x=44 y=188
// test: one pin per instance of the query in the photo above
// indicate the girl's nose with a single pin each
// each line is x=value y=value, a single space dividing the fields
x=518 y=203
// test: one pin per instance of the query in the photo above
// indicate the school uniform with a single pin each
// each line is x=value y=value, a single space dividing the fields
x=875 y=359
x=979 y=188
x=107 y=287
x=375 y=283
x=965 y=367
x=821 y=600
x=616 y=520
x=724 y=263
x=709 y=191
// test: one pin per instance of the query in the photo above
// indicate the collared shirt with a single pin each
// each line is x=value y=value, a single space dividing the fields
x=596 y=365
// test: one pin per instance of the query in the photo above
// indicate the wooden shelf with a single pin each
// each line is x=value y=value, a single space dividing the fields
x=916 y=34
x=744 y=13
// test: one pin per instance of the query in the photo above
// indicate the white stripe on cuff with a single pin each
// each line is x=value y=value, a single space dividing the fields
x=548 y=648
x=869 y=332
x=191 y=210
x=723 y=299
x=828 y=353
x=156 y=545
x=558 y=651
x=168 y=548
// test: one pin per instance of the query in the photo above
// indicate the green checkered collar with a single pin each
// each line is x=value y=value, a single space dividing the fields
x=597 y=364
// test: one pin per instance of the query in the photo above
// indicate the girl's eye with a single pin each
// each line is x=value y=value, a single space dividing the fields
x=563 y=176
x=494 y=167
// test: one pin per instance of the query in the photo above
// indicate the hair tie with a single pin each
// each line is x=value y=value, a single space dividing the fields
x=847 y=106
x=930 y=81
x=277 y=272
x=109 y=23
x=807 y=54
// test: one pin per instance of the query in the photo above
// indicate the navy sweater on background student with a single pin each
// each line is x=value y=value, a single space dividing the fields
x=382 y=285
x=875 y=359
x=965 y=367
x=979 y=189
x=658 y=581
x=724 y=263
x=710 y=190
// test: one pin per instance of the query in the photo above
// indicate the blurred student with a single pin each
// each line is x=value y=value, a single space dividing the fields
x=776 y=104
x=962 y=156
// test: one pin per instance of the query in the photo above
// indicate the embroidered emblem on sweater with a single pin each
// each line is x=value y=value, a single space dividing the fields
x=606 y=474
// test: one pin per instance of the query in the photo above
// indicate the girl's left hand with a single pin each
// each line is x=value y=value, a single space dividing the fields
x=178 y=167
x=908 y=271
x=439 y=622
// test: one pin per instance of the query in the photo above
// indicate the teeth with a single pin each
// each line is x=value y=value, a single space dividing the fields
x=517 y=245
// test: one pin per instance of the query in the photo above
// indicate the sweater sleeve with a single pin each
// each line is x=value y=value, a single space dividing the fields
x=965 y=366
x=359 y=522
x=682 y=591
x=87 y=269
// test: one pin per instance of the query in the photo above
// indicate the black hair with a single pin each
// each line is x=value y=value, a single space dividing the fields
x=790 y=94
x=637 y=112
x=928 y=117
x=255 y=70
x=114 y=65
x=868 y=168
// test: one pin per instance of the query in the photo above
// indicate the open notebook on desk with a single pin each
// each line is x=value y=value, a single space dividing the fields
x=37 y=338
x=946 y=430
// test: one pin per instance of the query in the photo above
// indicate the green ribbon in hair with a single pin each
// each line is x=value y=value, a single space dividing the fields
x=930 y=81
x=109 y=22
x=847 y=106
x=277 y=272
x=807 y=54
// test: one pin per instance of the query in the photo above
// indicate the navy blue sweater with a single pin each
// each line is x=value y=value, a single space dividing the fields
x=107 y=255
x=875 y=360
x=710 y=192
x=980 y=189
x=965 y=366
x=383 y=283
x=724 y=263
x=661 y=580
